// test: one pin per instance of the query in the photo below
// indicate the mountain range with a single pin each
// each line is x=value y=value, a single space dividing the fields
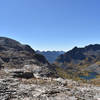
x=50 y=55
x=81 y=60
x=75 y=64
x=28 y=75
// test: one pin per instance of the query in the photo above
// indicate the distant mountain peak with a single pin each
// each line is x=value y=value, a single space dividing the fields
x=50 y=55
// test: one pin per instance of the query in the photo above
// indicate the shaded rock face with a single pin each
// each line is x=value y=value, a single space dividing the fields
x=14 y=54
x=21 y=74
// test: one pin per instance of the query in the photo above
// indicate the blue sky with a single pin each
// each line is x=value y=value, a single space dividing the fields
x=51 y=24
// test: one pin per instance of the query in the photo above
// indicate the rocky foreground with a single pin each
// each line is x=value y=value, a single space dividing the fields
x=35 y=87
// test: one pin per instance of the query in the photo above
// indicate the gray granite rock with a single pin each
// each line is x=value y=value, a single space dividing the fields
x=44 y=88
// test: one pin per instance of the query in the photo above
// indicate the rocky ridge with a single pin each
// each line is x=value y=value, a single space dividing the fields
x=16 y=55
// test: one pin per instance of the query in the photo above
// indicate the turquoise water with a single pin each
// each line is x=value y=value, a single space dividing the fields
x=92 y=75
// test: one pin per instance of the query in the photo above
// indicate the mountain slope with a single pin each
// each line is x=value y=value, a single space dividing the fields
x=50 y=55
x=15 y=55
x=79 y=60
